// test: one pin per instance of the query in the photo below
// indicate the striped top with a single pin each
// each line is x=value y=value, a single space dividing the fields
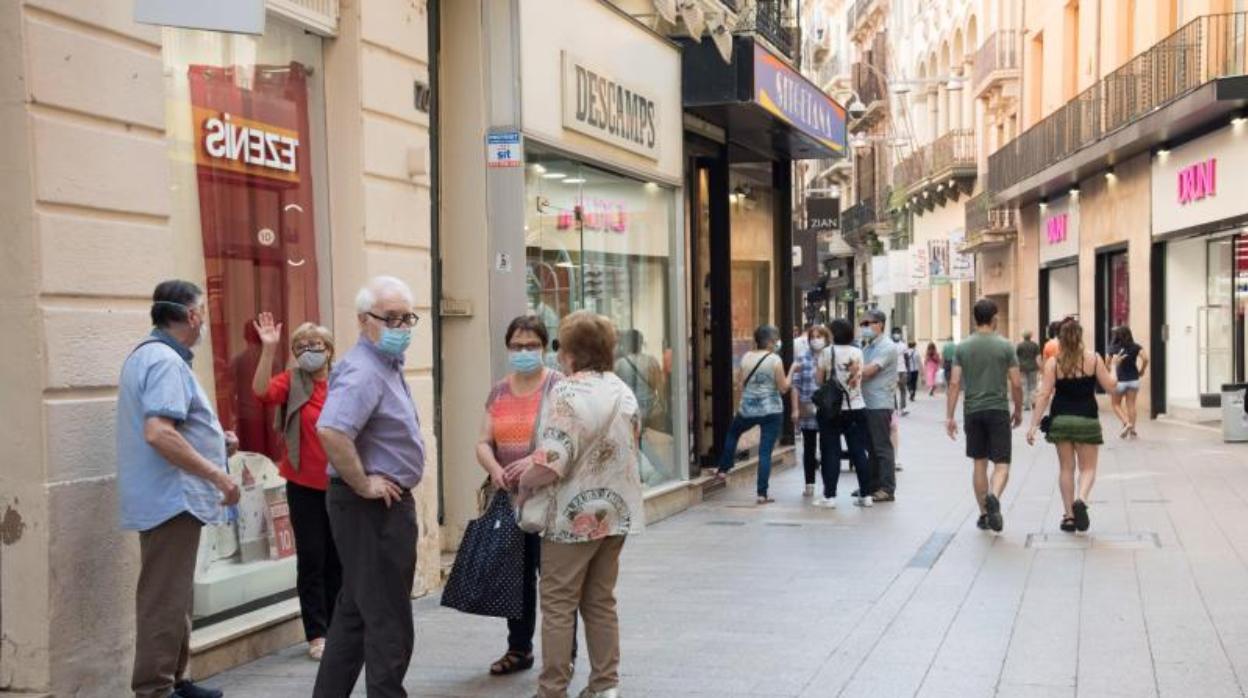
x=513 y=418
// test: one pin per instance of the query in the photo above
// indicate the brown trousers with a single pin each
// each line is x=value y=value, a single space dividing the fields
x=162 y=643
x=579 y=575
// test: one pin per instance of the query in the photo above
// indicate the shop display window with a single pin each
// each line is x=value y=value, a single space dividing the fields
x=604 y=242
x=751 y=202
x=245 y=117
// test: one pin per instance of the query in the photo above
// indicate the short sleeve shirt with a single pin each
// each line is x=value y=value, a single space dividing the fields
x=985 y=360
x=588 y=439
x=1027 y=352
x=370 y=402
x=846 y=356
x=157 y=381
x=514 y=418
x=877 y=391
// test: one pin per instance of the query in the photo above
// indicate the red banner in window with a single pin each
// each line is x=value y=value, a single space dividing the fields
x=252 y=139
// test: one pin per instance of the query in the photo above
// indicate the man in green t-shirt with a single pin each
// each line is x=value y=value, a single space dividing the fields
x=985 y=363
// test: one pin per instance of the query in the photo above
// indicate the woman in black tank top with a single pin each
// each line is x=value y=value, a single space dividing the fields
x=1129 y=361
x=1068 y=393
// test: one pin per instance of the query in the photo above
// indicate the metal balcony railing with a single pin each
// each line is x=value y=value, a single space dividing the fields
x=1000 y=51
x=951 y=154
x=766 y=18
x=986 y=222
x=1208 y=47
x=869 y=84
x=857 y=218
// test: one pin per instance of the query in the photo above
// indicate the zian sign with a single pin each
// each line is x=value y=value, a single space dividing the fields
x=602 y=107
x=1198 y=181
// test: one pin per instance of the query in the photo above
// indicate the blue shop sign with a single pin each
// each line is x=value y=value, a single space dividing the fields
x=791 y=98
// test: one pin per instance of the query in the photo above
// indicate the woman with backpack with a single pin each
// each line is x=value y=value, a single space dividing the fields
x=762 y=381
x=841 y=365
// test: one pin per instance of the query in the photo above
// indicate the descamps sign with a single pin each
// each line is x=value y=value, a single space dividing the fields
x=600 y=106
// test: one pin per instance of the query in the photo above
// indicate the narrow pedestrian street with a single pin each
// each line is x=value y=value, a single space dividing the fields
x=908 y=598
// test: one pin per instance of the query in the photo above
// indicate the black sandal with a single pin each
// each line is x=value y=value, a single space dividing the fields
x=1068 y=524
x=1081 y=515
x=511 y=663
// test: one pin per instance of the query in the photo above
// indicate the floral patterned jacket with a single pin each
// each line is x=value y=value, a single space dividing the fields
x=589 y=437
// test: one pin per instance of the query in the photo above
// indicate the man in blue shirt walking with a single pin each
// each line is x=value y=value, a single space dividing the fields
x=171 y=480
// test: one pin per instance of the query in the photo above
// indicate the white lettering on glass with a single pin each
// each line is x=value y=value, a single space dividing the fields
x=226 y=140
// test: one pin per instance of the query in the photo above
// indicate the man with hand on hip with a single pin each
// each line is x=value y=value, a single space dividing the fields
x=879 y=384
x=171 y=480
x=371 y=433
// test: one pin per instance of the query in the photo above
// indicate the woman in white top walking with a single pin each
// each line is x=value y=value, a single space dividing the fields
x=762 y=381
x=846 y=360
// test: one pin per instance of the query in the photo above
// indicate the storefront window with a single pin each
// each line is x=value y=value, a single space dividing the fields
x=245 y=117
x=600 y=241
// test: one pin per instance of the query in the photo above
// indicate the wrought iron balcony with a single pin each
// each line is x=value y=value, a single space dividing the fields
x=862 y=219
x=766 y=18
x=996 y=59
x=1207 y=48
x=988 y=224
x=936 y=171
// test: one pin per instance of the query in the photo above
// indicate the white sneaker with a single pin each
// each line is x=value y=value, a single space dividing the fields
x=809 y=491
x=829 y=502
x=864 y=501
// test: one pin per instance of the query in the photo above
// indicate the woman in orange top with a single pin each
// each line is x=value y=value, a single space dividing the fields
x=1052 y=346
x=508 y=436
x=299 y=394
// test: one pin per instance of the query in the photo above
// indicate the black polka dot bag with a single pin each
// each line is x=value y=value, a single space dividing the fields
x=487 y=578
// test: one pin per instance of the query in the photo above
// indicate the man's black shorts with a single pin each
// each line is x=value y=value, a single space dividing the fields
x=989 y=435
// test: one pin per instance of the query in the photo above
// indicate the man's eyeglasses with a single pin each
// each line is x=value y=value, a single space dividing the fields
x=396 y=321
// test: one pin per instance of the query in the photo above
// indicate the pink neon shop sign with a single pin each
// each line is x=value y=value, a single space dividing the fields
x=1198 y=181
x=1056 y=227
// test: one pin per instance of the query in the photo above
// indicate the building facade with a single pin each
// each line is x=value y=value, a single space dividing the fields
x=130 y=164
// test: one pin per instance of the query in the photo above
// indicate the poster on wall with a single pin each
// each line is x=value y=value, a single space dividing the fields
x=938 y=262
x=919 y=270
x=961 y=266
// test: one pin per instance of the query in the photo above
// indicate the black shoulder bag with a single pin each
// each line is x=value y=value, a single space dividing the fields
x=830 y=398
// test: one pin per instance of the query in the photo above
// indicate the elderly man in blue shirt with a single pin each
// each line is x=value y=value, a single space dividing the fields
x=371 y=433
x=171 y=480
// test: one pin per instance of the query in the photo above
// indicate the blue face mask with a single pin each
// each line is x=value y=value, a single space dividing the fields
x=525 y=361
x=868 y=334
x=394 y=340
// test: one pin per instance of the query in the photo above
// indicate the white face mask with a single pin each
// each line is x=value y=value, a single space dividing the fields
x=818 y=344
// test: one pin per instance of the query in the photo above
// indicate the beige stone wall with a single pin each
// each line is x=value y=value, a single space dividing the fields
x=84 y=210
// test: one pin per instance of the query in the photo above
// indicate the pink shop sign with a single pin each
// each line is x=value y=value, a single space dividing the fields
x=1198 y=181
x=1056 y=228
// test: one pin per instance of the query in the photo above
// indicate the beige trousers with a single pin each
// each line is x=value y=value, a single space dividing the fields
x=162 y=640
x=579 y=575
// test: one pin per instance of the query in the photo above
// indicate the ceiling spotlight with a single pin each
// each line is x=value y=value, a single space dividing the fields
x=1074 y=191
x=1238 y=119
x=1109 y=172
x=1044 y=202
x=1163 y=150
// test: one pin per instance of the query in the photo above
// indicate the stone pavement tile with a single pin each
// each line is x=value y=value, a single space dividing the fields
x=1022 y=690
x=1114 y=655
x=1043 y=649
x=1207 y=680
x=943 y=682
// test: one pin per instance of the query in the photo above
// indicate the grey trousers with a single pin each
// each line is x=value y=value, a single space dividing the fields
x=880 y=448
x=372 y=625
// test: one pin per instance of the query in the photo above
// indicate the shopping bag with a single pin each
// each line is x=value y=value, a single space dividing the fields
x=487 y=578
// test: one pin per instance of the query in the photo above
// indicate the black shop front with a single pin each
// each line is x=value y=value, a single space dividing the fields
x=745 y=121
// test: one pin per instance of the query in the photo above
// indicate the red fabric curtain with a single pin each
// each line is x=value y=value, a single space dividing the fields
x=256 y=216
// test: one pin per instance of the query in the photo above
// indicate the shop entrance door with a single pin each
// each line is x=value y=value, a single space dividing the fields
x=1113 y=296
x=1215 y=325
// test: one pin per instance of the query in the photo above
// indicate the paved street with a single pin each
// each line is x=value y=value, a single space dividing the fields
x=909 y=599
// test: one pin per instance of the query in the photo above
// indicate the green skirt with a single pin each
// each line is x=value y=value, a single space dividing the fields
x=1074 y=429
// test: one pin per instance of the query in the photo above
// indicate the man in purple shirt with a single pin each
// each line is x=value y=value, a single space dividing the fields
x=371 y=433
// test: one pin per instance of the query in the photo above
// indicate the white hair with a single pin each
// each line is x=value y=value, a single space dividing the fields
x=378 y=287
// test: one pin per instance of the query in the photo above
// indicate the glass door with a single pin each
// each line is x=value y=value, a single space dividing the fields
x=1215 y=336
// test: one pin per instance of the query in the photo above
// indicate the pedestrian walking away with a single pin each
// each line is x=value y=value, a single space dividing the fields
x=1073 y=425
x=912 y=368
x=508 y=436
x=371 y=433
x=947 y=352
x=903 y=372
x=171 y=481
x=1051 y=346
x=986 y=367
x=299 y=396
x=805 y=367
x=1028 y=353
x=1129 y=361
x=585 y=471
x=761 y=381
x=843 y=362
x=931 y=367
x=879 y=385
